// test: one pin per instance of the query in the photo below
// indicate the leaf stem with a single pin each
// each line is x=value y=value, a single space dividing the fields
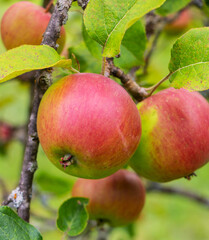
x=153 y=88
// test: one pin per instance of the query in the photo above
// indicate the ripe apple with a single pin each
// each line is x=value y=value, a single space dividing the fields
x=25 y=23
x=88 y=125
x=6 y=133
x=175 y=135
x=180 y=23
x=117 y=199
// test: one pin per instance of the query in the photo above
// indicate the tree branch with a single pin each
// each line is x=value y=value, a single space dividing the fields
x=21 y=196
x=83 y=3
x=156 y=187
x=131 y=86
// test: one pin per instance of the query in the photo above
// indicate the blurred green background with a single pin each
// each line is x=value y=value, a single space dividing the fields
x=165 y=217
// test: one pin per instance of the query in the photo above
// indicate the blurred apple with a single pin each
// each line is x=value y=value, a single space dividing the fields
x=117 y=199
x=180 y=23
x=25 y=23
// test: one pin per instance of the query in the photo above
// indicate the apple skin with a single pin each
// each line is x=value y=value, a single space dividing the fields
x=117 y=199
x=25 y=23
x=175 y=135
x=180 y=23
x=93 y=119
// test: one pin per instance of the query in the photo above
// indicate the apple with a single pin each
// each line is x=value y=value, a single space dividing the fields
x=175 y=135
x=88 y=125
x=6 y=133
x=117 y=199
x=180 y=23
x=25 y=23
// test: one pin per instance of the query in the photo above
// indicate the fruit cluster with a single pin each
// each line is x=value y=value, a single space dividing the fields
x=90 y=127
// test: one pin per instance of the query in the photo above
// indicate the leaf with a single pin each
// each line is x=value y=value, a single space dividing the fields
x=189 y=62
x=132 y=47
x=54 y=184
x=94 y=48
x=27 y=58
x=171 y=6
x=106 y=21
x=12 y=227
x=73 y=216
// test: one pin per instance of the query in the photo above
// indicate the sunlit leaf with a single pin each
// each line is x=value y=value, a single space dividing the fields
x=26 y=58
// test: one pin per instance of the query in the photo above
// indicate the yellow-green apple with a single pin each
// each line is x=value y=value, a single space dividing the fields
x=25 y=23
x=117 y=199
x=88 y=125
x=175 y=135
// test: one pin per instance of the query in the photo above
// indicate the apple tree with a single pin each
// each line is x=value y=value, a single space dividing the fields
x=117 y=97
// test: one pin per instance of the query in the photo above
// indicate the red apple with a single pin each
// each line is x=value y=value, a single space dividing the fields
x=117 y=199
x=175 y=135
x=25 y=23
x=88 y=125
x=180 y=23
x=6 y=133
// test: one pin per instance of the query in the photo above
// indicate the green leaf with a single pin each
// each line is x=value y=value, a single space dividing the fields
x=106 y=21
x=190 y=60
x=27 y=58
x=172 y=6
x=13 y=227
x=94 y=48
x=132 y=47
x=53 y=184
x=193 y=77
x=73 y=216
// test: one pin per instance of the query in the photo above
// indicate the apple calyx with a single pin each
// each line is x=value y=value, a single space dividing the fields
x=189 y=177
x=67 y=160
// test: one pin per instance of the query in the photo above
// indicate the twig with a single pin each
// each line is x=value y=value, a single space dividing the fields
x=131 y=86
x=43 y=80
x=103 y=232
x=83 y=3
x=156 y=187
x=49 y=7
x=154 y=87
x=106 y=66
x=149 y=53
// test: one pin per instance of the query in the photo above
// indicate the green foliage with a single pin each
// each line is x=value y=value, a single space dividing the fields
x=106 y=21
x=94 y=48
x=14 y=228
x=27 y=58
x=190 y=60
x=73 y=216
x=171 y=6
x=132 y=47
x=207 y=2
x=53 y=184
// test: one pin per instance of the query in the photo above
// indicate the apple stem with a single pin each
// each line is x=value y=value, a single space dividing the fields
x=67 y=160
x=189 y=177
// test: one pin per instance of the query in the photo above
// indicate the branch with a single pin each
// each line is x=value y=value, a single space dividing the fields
x=21 y=196
x=131 y=86
x=156 y=187
x=83 y=3
x=103 y=232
